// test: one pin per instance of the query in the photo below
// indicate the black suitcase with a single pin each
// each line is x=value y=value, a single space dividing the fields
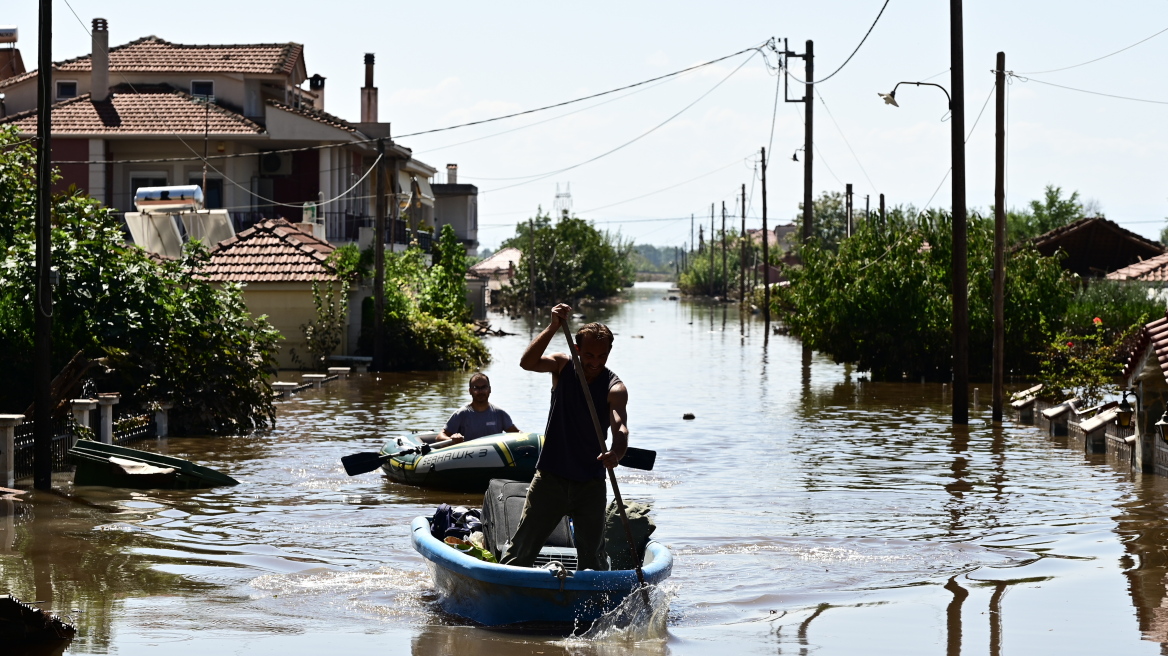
x=502 y=507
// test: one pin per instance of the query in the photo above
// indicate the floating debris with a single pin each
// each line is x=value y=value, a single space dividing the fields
x=688 y=415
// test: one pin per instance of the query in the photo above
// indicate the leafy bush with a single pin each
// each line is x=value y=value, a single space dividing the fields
x=572 y=261
x=883 y=300
x=444 y=295
x=1083 y=364
x=165 y=333
x=1118 y=304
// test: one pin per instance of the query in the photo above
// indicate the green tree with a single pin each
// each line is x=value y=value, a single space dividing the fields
x=444 y=295
x=165 y=332
x=1042 y=216
x=572 y=260
x=830 y=219
x=883 y=300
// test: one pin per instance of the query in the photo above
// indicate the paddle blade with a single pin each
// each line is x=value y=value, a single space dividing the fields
x=362 y=463
x=639 y=459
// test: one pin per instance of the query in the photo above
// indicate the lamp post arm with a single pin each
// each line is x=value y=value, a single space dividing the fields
x=927 y=84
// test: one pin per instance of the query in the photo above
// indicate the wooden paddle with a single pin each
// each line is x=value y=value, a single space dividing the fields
x=620 y=503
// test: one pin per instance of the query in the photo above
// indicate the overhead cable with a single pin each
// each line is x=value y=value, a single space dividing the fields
x=1093 y=93
x=755 y=49
x=1066 y=68
x=861 y=43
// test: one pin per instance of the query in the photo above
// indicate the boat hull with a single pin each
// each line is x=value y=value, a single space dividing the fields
x=522 y=597
x=466 y=467
x=94 y=467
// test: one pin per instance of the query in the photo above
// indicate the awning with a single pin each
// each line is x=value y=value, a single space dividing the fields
x=425 y=191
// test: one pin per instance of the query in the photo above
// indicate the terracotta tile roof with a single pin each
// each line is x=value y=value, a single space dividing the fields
x=272 y=251
x=1096 y=246
x=154 y=55
x=1155 y=336
x=145 y=109
x=499 y=263
x=1151 y=270
x=316 y=115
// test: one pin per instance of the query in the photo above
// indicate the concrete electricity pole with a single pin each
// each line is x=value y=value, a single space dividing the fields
x=808 y=101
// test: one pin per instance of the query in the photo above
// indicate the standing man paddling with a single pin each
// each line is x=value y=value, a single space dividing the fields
x=569 y=477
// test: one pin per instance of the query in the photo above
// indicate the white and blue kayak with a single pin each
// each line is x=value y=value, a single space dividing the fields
x=523 y=597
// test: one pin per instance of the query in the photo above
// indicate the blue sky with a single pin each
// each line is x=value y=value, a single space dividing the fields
x=445 y=63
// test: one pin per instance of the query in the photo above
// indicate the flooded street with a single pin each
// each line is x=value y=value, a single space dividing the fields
x=807 y=509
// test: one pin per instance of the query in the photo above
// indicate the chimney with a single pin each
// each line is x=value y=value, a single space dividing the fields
x=368 y=93
x=99 y=61
x=316 y=85
x=451 y=174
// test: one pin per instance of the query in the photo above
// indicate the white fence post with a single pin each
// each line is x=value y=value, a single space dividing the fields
x=81 y=408
x=162 y=419
x=8 y=424
x=107 y=402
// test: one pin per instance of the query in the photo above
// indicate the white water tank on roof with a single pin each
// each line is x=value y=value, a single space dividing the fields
x=8 y=34
x=168 y=200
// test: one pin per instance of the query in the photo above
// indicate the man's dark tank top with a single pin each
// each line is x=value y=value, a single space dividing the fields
x=570 y=446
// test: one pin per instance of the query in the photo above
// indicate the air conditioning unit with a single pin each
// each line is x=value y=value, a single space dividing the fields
x=276 y=164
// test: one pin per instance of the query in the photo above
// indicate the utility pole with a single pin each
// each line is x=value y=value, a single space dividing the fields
x=713 y=276
x=43 y=325
x=691 y=232
x=808 y=101
x=766 y=262
x=882 y=218
x=960 y=273
x=867 y=206
x=725 y=279
x=848 y=208
x=379 y=260
x=999 y=375
x=742 y=259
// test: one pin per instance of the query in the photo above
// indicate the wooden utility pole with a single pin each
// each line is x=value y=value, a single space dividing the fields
x=808 y=101
x=713 y=275
x=742 y=259
x=999 y=376
x=379 y=259
x=42 y=429
x=882 y=209
x=848 y=208
x=725 y=280
x=960 y=273
x=766 y=262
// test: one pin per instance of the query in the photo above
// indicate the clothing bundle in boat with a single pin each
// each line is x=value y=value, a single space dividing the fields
x=502 y=508
x=615 y=541
x=456 y=522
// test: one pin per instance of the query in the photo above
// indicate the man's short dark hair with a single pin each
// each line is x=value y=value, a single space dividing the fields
x=479 y=375
x=597 y=331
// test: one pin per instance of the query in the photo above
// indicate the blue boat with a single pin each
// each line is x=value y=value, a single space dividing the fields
x=523 y=597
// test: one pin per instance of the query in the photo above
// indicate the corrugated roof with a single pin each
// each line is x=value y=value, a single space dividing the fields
x=1150 y=270
x=144 y=109
x=272 y=251
x=1154 y=335
x=154 y=55
x=499 y=262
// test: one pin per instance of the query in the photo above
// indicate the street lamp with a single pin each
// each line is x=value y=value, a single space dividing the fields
x=1162 y=425
x=1123 y=415
x=890 y=97
x=795 y=155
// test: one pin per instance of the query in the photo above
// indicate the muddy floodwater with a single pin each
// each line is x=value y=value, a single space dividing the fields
x=808 y=510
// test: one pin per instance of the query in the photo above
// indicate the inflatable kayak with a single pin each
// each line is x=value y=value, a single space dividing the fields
x=466 y=467
x=518 y=597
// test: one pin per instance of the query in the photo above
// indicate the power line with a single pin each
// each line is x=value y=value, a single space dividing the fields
x=861 y=43
x=845 y=138
x=1066 y=68
x=756 y=49
x=1093 y=93
x=663 y=189
x=542 y=176
x=857 y=45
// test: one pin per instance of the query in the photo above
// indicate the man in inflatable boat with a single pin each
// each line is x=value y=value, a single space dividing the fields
x=570 y=473
x=479 y=418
